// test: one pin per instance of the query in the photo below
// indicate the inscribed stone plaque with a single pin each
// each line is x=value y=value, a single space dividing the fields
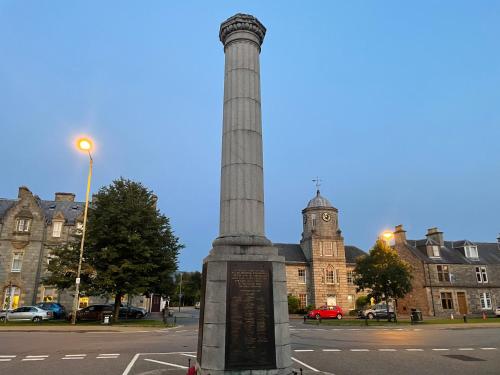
x=250 y=316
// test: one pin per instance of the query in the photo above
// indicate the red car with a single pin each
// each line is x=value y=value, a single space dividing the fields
x=326 y=312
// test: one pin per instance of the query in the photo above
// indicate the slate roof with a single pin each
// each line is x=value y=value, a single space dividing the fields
x=70 y=210
x=452 y=252
x=319 y=201
x=293 y=253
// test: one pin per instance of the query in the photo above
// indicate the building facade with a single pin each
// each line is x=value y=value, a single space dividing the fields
x=450 y=277
x=319 y=269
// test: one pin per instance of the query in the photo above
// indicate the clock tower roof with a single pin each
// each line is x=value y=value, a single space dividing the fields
x=319 y=201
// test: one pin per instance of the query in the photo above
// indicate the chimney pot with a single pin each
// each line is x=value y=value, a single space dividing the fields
x=399 y=235
x=435 y=235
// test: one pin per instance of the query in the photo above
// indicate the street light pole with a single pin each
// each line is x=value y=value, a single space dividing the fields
x=84 y=145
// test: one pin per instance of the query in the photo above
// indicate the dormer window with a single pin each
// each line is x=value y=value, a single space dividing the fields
x=471 y=252
x=23 y=225
x=433 y=251
x=56 y=228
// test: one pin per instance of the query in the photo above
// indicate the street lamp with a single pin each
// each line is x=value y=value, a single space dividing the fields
x=85 y=145
x=387 y=236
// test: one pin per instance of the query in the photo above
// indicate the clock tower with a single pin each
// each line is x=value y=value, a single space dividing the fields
x=323 y=247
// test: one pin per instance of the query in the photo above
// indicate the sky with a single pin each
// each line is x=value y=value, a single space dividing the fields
x=394 y=105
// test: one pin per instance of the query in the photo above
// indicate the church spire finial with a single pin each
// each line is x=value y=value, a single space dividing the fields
x=317 y=181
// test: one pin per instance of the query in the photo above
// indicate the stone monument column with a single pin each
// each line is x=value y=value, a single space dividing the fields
x=244 y=307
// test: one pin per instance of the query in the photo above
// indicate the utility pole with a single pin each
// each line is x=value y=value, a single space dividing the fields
x=180 y=293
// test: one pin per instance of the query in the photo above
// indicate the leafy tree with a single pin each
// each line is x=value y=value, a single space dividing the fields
x=362 y=301
x=130 y=244
x=293 y=304
x=383 y=274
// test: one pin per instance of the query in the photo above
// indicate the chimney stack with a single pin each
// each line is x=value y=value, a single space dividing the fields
x=399 y=235
x=64 y=197
x=23 y=192
x=435 y=235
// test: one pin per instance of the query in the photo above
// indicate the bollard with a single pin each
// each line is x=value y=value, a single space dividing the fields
x=301 y=371
x=189 y=362
x=305 y=317
x=175 y=320
x=465 y=318
x=451 y=316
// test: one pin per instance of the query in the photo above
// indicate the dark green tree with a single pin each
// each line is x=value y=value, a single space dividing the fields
x=129 y=243
x=383 y=274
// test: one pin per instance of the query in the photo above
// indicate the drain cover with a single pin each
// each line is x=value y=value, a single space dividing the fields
x=464 y=358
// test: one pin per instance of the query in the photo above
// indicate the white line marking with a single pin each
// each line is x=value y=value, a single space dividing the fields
x=5 y=359
x=131 y=363
x=303 y=350
x=387 y=350
x=109 y=354
x=165 y=363
x=73 y=358
x=360 y=350
x=188 y=355
x=488 y=348
x=414 y=350
x=465 y=348
x=75 y=355
x=7 y=356
x=108 y=357
x=36 y=356
x=440 y=350
x=305 y=365
x=32 y=359
x=332 y=350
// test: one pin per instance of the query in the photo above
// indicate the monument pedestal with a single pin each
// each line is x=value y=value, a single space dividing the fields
x=244 y=312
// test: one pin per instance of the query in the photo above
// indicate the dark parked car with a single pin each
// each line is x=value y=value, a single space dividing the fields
x=131 y=312
x=58 y=310
x=92 y=312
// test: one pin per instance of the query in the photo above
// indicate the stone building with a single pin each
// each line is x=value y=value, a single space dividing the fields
x=319 y=270
x=29 y=228
x=450 y=277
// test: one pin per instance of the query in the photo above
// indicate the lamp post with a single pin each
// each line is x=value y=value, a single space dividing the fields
x=387 y=236
x=85 y=145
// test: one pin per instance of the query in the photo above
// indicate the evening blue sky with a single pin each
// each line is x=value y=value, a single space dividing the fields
x=395 y=105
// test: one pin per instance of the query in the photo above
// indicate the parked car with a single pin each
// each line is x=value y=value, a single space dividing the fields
x=27 y=313
x=326 y=312
x=197 y=305
x=497 y=312
x=58 y=310
x=378 y=311
x=132 y=312
x=92 y=312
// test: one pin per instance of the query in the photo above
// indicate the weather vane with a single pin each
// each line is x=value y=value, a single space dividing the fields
x=317 y=180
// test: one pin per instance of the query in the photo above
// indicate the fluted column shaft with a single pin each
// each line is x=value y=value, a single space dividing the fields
x=242 y=187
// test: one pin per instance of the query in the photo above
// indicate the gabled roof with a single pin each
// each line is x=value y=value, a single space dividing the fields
x=70 y=210
x=452 y=252
x=292 y=252
x=352 y=252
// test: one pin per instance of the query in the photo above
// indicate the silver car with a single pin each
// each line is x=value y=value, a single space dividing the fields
x=29 y=313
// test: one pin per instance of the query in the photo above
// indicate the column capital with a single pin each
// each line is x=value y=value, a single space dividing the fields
x=245 y=23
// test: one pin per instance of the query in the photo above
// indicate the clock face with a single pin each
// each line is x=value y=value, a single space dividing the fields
x=326 y=216
x=305 y=218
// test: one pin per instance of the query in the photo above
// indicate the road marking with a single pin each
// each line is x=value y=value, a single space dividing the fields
x=75 y=355
x=488 y=348
x=73 y=358
x=465 y=348
x=440 y=350
x=305 y=365
x=131 y=363
x=387 y=350
x=109 y=354
x=5 y=359
x=36 y=356
x=107 y=357
x=414 y=350
x=7 y=356
x=304 y=350
x=359 y=350
x=165 y=363
x=188 y=355
x=332 y=350
x=32 y=359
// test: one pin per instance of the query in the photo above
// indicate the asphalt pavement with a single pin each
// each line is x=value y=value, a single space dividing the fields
x=316 y=349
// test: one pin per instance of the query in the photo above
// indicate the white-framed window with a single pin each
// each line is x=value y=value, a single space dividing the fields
x=17 y=262
x=303 y=300
x=433 y=251
x=481 y=275
x=350 y=301
x=302 y=275
x=443 y=273
x=485 y=299
x=350 y=277
x=23 y=225
x=330 y=277
x=56 y=228
x=471 y=252
x=447 y=301
x=327 y=248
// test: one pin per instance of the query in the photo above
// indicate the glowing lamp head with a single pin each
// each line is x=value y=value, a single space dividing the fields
x=387 y=235
x=84 y=144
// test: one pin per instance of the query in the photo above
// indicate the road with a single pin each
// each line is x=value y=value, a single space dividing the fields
x=317 y=350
